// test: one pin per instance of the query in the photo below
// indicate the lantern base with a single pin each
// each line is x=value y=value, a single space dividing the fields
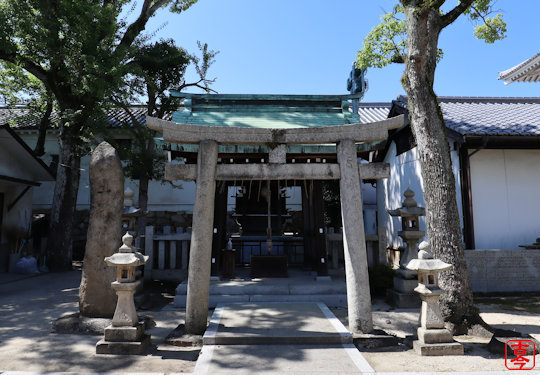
x=124 y=340
x=451 y=348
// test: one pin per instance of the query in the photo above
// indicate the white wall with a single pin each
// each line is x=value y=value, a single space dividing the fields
x=505 y=188
x=405 y=172
x=162 y=197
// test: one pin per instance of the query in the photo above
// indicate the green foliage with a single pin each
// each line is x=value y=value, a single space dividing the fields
x=386 y=43
x=381 y=277
x=181 y=5
x=492 y=30
x=80 y=50
x=154 y=70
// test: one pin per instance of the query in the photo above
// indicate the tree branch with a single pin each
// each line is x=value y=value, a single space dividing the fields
x=27 y=64
x=458 y=10
x=139 y=24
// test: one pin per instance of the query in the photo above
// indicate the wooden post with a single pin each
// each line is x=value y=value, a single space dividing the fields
x=318 y=221
x=201 y=239
x=149 y=250
x=354 y=240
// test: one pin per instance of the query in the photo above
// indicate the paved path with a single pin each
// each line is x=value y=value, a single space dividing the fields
x=278 y=338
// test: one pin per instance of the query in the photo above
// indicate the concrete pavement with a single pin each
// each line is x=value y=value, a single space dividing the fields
x=27 y=346
x=278 y=338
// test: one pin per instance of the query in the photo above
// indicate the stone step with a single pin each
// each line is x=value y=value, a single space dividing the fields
x=253 y=288
x=332 y=300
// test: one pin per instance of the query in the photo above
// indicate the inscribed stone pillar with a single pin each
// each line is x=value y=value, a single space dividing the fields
x=96 y=297
x=201 y=239
x=354 y=241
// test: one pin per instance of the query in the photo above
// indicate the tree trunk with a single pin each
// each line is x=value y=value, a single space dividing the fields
x=44 y=123
x=442 y=218
x=143 y=203
x=144 y=181
x=63 y=206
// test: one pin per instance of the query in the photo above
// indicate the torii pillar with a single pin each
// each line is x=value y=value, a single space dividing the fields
x=354 y=240
x=198 y=288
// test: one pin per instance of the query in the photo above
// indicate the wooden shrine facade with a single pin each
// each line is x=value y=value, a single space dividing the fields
x=207 y=171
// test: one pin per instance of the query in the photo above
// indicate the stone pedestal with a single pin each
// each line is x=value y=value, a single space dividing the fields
x=403 y=294
x=433 y=338
x=124 y=340
x=126 y=334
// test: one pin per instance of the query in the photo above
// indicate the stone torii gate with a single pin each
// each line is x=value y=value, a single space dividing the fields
x=207 y=171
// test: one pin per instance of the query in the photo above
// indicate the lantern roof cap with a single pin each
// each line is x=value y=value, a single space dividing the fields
x=425 y=261
x=410 y=206
x=127 y=254
x=126 y=259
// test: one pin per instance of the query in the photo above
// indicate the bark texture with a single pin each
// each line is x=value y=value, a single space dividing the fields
x=96 y=297
x=424 y=24
x=63 y=206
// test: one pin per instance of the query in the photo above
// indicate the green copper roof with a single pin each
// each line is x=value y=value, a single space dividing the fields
x=265 y=111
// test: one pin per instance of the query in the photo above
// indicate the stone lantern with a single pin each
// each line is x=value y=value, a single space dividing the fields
x=433 y=338
x=126 y=334
x=129 y=212
x=405 y=280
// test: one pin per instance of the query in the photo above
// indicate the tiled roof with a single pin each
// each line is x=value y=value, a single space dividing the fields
x=527 y=71
x=20 y=117
x=489 y=116
x=373 y=112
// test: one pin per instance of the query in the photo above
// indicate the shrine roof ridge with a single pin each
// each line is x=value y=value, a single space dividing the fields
x=265 y=97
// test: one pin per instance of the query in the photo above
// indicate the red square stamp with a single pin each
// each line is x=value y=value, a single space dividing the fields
x=514 y=358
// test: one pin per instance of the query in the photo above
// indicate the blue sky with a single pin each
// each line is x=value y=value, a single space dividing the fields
x=308 y=46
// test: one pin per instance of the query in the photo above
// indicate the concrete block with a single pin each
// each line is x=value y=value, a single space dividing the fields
x=434 y=336
x=403 y=300
x=405 y=285
x=504 y=270
x=454 y=348
x=129 y=348
x=120 y=334
x=331 y=300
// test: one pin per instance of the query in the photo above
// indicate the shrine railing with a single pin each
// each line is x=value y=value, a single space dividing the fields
x=168 y=253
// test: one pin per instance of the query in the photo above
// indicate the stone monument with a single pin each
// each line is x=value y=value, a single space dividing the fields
x=126 y=334
x=96 y=299
x=433 y=338
x=405 y=280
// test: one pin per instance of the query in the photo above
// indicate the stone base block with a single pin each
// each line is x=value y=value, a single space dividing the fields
x=434 y=336
x=126 y=347
x=452 y=348
x=405 y=285
x=403 y=300
x=121 y=334
x=407 y=274
x=323 y=278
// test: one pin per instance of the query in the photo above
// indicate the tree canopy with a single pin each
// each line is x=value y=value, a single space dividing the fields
x=386 y=43
x=80 y=51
